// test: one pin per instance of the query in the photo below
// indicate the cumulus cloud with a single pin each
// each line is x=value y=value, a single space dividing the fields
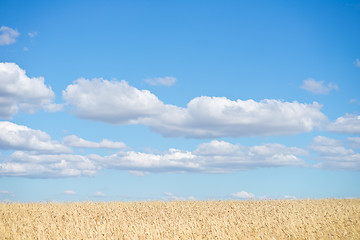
x=328 y=146
x=165 y=81
x=75 y=141
x=8 y=35
x=111 y=101
x=317 y=87
x=172 y=161
x=69 y=192
x=333 y=155
x=216 y=147
x=19 y=92
x=204 y=117
x=350 y=123
x=208 y=158
x=210 y=117
x=19 y=137
x=243 y=195
x=211 y=157
x=29 y=164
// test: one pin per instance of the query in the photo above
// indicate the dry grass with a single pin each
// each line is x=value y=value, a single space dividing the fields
x=275 y=219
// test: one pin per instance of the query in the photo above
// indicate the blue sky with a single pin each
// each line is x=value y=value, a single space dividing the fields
x=168 y=100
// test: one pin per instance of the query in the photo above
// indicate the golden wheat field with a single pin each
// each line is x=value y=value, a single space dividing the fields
x=266 y=219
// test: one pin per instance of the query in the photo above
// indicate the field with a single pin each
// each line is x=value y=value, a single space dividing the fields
x=266 y=219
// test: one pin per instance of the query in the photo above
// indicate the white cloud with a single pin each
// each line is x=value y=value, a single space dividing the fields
x=288 y=197
x=138 y=173
x=317 y=87
x=166 y=81
x=19 y=92
x=353 y=100
x=41 y=157
x=204 y=159
x=218 y=160
x=328 y=147
x=111 y=101
x=99 y=194
x=75 y=141
x=243 y=195
x=171 y=197
x=216 y=147
x=19 y=137
x=8 y=35
x=172 y=161
x=7 y=193
x=32 y=34
x=53 y=107
x=350 y=123
x=205 y=117
x=69 y=192
x=211 y=117
x=357 y=62
x=333 y=155
x=48 y=166
x=211 y=157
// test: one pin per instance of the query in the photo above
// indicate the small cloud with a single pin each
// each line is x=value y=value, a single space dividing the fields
x=288 y=197
x=75 y=141
x=8 y=35
x=69 y=192
x=26 y=49
x=171 y=197
x=332 y=154
x=355 y=101
x=243 y=195
x=350 y=123
x=139 y=173
x=99 y=194
x=6 y=193
x=53 y=107
x=317 y=87
x=164 y=81
x=32 y=34
x=105 y=143
x=357 y=62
